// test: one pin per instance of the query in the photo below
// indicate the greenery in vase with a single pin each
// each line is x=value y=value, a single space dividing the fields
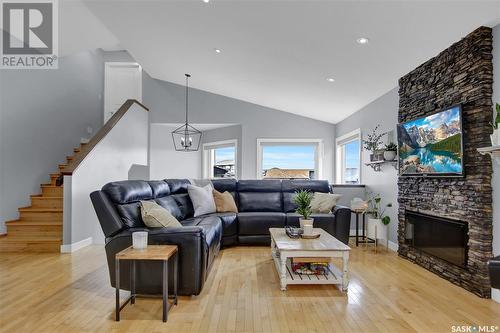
x=391 y=147
x=377 y=210
x=373 y=141
x=497 y=117
x=303 y=199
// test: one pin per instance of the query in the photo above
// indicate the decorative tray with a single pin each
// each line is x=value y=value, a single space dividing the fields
x=313 y=236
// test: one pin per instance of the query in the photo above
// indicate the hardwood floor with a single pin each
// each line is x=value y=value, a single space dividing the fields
x=71 y=293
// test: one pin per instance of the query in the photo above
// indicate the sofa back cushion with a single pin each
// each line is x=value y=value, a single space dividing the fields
x=227 y=184
x=178 y=186
x=126 y=195
x=260 y=196
x=290 y=186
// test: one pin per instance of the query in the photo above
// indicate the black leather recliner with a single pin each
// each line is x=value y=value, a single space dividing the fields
x=262 y=204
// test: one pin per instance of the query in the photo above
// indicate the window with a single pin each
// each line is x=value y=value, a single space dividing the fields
x=349 y=158
x=219 y=159
x=289 y=158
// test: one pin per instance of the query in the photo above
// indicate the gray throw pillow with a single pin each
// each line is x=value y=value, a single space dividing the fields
x=202 y=199
x=155 y=216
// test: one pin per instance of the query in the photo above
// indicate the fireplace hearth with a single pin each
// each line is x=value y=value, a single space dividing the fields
x=440 y=237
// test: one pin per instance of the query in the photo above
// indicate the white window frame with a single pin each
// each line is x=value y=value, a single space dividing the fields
x=340 y=156
x=207 y=158
x=318 y=158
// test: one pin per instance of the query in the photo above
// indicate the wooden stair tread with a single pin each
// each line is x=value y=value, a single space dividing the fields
x=40 y=196
x=11 y=239
x=31 y=209
x=33 y=223
x=50 y=185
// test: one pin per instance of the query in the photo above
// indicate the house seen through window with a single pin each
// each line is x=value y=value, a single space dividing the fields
x=289 y=160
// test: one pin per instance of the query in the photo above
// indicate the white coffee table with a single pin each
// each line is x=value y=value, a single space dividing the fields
x=283 y=248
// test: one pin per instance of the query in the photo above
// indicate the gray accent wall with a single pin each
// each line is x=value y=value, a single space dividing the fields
x=166 y=102
x=44 y=113
x=383 y=111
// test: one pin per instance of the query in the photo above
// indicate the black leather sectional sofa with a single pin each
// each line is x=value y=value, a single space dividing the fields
x=262 y=204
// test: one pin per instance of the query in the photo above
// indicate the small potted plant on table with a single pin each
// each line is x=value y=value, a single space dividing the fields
x=390 y=151
x=303 y=201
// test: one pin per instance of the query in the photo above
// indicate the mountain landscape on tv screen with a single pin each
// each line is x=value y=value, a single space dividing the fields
x=431 y=144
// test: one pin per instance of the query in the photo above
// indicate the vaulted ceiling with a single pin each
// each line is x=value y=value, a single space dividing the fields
x=281 y=54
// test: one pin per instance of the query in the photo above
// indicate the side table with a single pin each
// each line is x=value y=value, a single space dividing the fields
x=364 y=238
x=152 y=252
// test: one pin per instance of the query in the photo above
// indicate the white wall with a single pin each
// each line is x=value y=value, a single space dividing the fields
x=165 y=161
x=125 y=146
x=495 y=294
x=383 y=111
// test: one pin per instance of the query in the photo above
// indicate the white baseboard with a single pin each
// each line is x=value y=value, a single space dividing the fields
x=393 y=246
x=495 y=295
x=69 y=248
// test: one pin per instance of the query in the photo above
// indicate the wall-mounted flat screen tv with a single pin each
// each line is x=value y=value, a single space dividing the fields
x=432 y=145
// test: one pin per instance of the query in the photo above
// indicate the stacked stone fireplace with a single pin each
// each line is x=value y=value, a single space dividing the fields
x=462 y=74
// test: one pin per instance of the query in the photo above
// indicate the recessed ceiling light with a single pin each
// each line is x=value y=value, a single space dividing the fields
x=362 y=40
x=217 y=50
x=206 y=1
x=330 y=79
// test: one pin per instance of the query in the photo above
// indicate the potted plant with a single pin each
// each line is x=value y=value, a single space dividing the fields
x=378 y=222
x=303 y=199
x=390 y=151
x=495 y=137
x=373 y=143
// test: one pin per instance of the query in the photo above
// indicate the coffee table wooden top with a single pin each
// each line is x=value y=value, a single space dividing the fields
x=152 y=252
x=325 y=242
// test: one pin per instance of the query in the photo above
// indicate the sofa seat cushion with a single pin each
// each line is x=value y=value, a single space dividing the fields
x=211 y=225
x=323 y=221
x=258 y=223
x=229 y=223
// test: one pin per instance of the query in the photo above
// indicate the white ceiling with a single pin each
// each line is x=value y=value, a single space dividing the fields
x=280 y=53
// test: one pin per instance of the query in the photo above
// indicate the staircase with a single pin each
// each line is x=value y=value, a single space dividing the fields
x=40 y=226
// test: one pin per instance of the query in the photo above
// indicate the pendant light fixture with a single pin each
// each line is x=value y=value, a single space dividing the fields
x=186 y=137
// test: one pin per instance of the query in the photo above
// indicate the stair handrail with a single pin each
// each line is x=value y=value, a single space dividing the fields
x=108 y=126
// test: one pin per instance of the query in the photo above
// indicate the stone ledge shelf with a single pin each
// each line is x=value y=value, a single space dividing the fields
x=375 y=165
x=493 y=151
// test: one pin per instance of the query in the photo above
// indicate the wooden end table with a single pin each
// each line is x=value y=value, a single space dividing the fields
x=152 y=252
x=283 y=248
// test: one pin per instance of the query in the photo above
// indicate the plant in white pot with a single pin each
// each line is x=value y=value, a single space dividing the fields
x=303 y=199
x=495 y=137
x=390 y=151
x=378 y=223
x=373 y=142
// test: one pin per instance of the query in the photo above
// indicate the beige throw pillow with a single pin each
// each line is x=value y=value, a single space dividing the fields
x=224 y=202
x=324 y=202
x=155 y=216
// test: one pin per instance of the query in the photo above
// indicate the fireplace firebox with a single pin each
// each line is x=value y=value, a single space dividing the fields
x=437 y=236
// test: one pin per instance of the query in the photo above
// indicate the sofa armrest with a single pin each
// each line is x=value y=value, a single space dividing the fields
x=192 y=259
x=342 y=223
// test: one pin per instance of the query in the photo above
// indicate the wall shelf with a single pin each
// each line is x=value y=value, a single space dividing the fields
x=493 y=151
x=376 y=165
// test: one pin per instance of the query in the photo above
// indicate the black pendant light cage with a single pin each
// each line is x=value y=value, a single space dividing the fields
x=186 y=137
